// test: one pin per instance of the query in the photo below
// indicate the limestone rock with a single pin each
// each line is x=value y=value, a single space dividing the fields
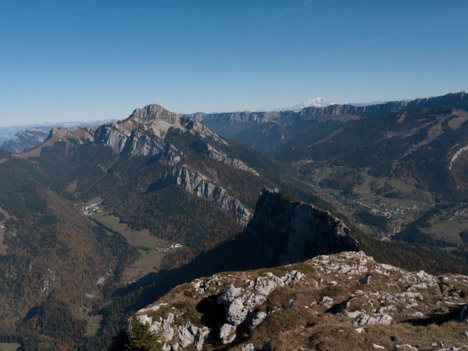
x=257 y=320
x=229 y=294
x=227 y=333
x=366 y=279
x=248 y=347
x=199 y=185
x=236 y=312
x=372 y=319
x=186 y=336
x=265 y=286
x=394 y=297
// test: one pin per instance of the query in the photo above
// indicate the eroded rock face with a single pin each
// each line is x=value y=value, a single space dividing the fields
x=291 y=231
x=199 y=185
x=328 y=287
x=240 y=303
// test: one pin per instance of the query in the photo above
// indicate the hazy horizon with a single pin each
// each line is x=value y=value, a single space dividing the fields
x=101 y=60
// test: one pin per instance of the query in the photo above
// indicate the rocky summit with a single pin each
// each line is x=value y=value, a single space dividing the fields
x=344 y=301
x=153 y=131
x=142 y=133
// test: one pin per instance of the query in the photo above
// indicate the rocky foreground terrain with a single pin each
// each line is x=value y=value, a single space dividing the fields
x=345 y=301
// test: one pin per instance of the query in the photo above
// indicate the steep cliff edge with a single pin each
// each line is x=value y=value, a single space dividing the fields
x=289 y=230
x=282 y=231
x=225 y=309
x=199 y=185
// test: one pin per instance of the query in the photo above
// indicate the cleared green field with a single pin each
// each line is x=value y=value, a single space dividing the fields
x=446 y=230
x=93 y=325
x=71 y=188
x=6 y=346
x=139 y=239
x=147 y=244
x=147 y=263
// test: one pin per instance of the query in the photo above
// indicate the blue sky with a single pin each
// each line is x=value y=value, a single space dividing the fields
x=84 y=60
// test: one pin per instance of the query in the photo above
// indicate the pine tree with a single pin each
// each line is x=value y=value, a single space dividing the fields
x=142 y=339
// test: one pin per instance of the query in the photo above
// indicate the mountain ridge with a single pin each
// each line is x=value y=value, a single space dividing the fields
x=283 y=231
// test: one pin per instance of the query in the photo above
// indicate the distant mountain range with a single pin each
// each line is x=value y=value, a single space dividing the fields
x=24 y=140
x=316 y=102
x=320 y=102
x=8 y=133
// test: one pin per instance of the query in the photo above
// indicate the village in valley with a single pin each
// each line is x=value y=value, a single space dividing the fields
x=151 y=248
x=91 y=209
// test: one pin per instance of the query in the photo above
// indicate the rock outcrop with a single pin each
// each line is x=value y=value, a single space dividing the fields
x=214 y=154
x=318 y=302
x=199 y=185
x=144 y=133
x=290 y=231
x=231 y=123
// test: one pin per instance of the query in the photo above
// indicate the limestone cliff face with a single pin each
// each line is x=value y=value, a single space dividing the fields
x=231 y=123
x=199 y=185
x=454 y=100
x=144 y=133
x=202 y=146
x=290 y=231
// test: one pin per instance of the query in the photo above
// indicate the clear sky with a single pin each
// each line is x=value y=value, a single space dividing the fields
x=83 y=60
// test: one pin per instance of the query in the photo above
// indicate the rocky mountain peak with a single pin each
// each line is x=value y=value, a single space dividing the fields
x=152 y=118
x=152 y=112
x=62 y=134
